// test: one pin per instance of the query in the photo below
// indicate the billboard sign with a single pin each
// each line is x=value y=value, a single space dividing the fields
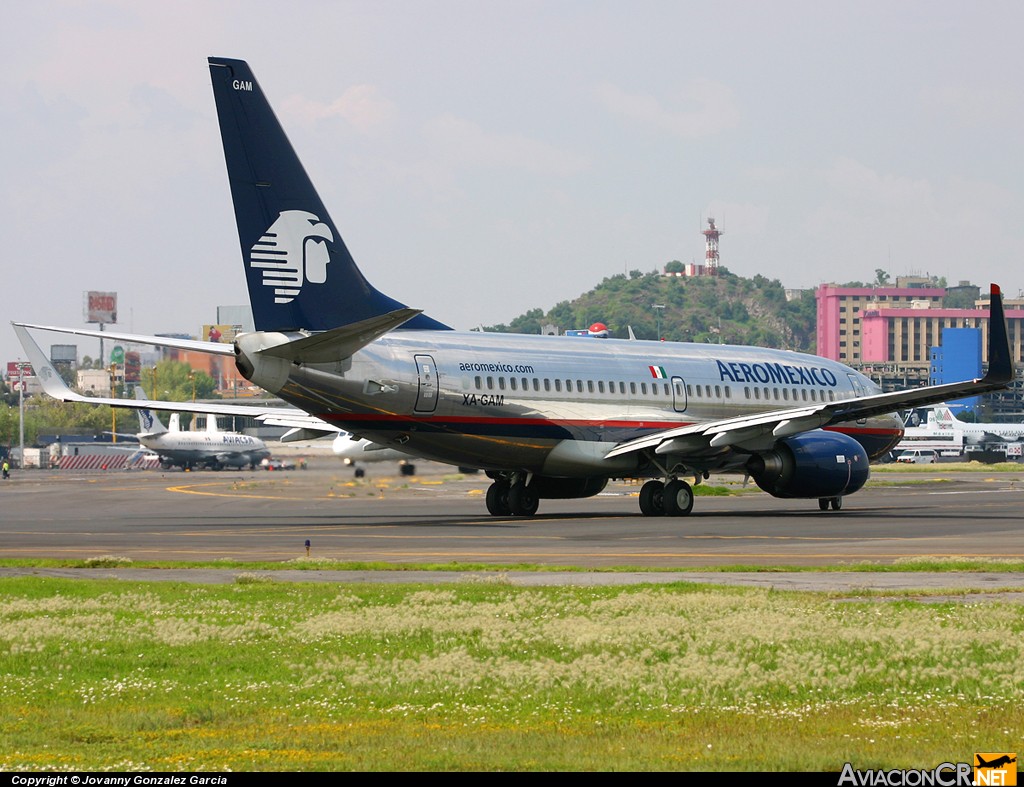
x=221 y=333
x=101 y=307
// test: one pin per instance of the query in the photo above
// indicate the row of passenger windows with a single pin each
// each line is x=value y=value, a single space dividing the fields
x=620 y=387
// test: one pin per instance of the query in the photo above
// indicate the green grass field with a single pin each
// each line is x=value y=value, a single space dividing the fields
x=258 y=675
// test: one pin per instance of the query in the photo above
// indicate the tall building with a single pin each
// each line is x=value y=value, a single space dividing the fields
x=840 y=309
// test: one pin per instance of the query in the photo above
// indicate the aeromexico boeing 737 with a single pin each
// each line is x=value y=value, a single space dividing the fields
x=546 y=417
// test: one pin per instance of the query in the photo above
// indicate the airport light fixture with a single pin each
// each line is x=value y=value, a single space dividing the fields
x=658 y=309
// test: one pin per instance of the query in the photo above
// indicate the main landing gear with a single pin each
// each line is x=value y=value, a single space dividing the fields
x=672 y=499
x=511 y=498
x=825 y=502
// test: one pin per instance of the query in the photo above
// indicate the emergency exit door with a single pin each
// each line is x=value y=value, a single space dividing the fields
x=426 y=393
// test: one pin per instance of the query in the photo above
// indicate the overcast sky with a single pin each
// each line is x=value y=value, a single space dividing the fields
x=485 y=158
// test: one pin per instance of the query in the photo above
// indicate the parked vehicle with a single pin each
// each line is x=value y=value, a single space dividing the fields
x=918 y=456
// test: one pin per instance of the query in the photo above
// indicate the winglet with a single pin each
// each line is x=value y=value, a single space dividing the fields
x=51 y=381
x=1000 y=360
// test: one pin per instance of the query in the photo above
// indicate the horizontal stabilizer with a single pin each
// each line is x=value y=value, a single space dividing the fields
x=339 y=343
x=194 y=345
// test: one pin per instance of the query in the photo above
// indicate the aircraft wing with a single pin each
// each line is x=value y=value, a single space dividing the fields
x=759 y=431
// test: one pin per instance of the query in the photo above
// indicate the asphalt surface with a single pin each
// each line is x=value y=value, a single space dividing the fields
x=438 y=517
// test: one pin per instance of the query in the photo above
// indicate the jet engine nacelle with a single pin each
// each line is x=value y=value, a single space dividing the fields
x=549 y=488
x=814 y=464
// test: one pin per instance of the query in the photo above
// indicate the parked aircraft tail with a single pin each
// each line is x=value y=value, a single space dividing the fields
x=149 y=424
x=300 y=274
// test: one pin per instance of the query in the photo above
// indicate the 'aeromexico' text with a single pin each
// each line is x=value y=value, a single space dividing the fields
x=779 y=373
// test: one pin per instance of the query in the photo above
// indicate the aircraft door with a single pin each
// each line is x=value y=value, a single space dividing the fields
x=426 y=393
x=678 y=394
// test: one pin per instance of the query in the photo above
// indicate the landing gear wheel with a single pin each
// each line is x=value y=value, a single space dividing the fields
x=823 y=503
x=678 y=498
x=651 y=496
x=837 y=503
x=497 y=499
x=522 y=501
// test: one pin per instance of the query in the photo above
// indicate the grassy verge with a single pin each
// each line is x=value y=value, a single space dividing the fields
x=264 y=675
x=921 y=564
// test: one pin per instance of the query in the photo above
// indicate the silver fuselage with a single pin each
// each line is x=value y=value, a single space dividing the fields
x=551 y=405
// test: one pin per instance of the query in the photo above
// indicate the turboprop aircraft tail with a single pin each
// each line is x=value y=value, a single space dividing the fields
x=300 y=274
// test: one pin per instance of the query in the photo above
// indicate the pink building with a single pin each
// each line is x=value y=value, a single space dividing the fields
x=839 y=331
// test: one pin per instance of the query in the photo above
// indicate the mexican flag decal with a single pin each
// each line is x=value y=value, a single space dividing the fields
x=658 y=372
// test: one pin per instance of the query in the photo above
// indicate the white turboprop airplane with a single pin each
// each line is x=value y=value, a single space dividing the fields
x=545 y=416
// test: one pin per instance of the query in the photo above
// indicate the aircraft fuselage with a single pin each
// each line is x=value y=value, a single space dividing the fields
x=551 y=405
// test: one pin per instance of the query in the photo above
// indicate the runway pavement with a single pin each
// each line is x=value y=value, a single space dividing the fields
x=439 y=517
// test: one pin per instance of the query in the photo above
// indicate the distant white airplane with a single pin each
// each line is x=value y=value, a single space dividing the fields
x=356 y=452
x=213 y=449
x=942 y=417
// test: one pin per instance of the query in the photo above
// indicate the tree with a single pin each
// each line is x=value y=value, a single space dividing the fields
x=881 y=278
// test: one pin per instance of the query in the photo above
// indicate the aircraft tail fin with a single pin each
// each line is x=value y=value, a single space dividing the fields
x=300 y=274
x=149 y=424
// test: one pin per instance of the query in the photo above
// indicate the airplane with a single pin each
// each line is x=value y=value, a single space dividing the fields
x=355 y=452
x=545 y=416
x=213 y=448
x=998 y=762
x=942 y=418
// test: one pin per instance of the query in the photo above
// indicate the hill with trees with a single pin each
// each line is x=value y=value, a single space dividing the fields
x=726 y=309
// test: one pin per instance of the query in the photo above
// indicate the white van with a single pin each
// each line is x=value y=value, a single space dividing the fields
x=918 y=456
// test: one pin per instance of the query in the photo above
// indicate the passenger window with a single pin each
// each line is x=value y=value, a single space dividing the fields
x=632 y=388
x=558 y=385
x=512 y=383
x=547 y=384
x=501 y=383
x=479 y=382
x=590 y=386
x=643 y=388
x=600 y=386
x=718 y=392
x=536 y=384
x=490 y=383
